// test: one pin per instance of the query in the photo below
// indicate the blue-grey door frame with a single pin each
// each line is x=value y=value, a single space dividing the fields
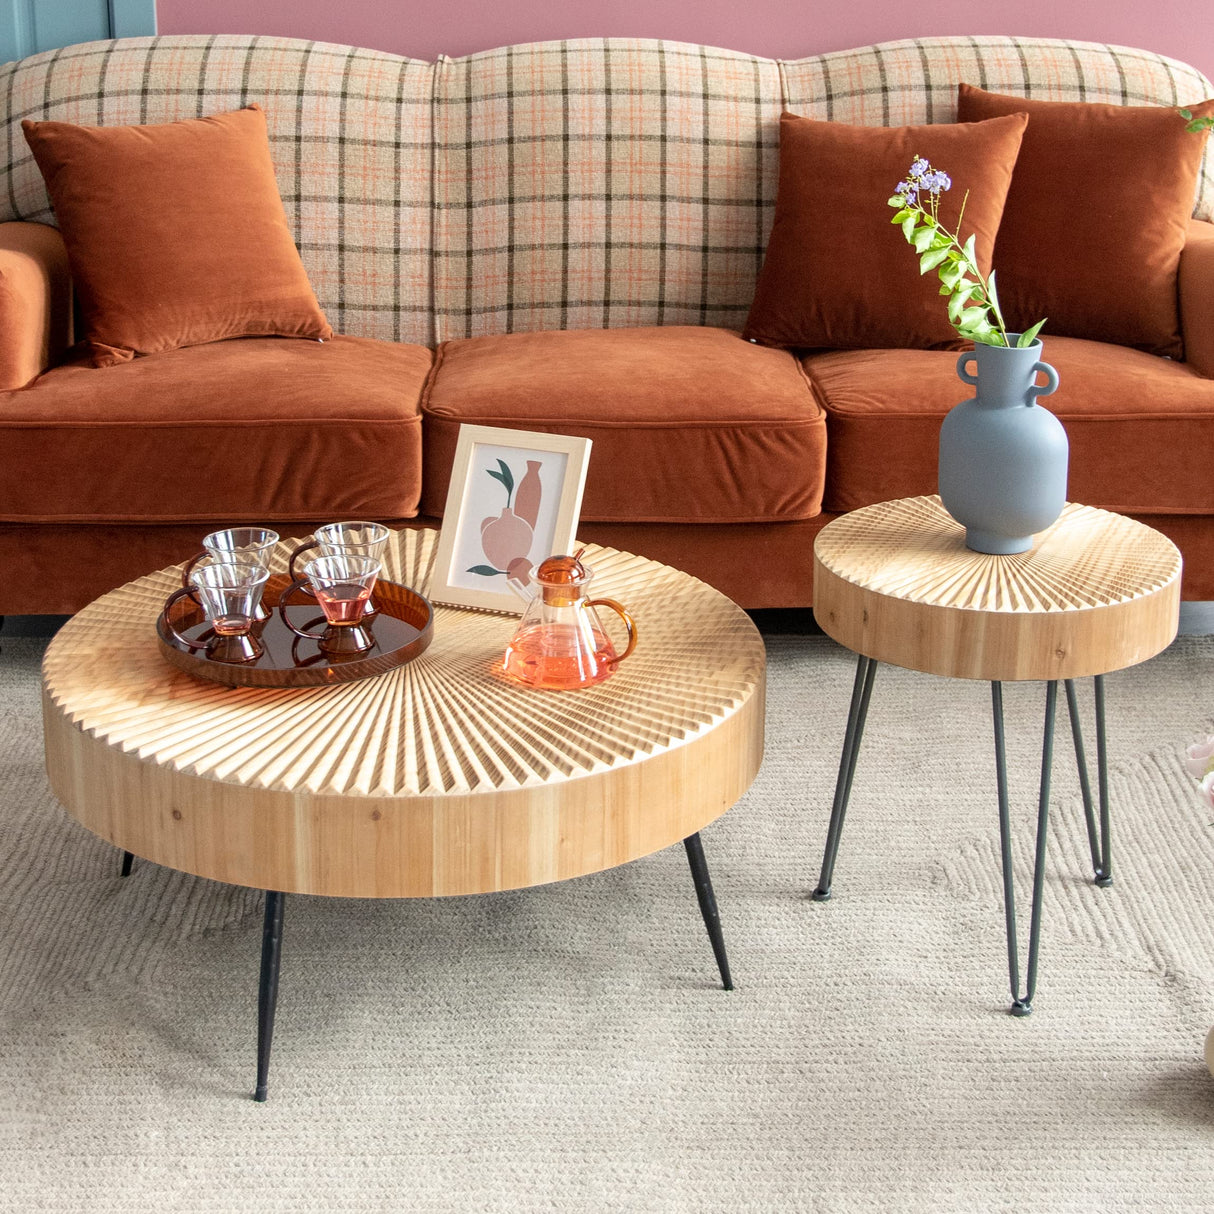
x=29 y=26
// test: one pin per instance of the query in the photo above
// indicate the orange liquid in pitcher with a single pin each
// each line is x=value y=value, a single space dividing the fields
x=553 y=657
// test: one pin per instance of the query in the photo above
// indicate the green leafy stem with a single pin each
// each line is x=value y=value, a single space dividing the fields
x=1197 y=125
x=973 y=302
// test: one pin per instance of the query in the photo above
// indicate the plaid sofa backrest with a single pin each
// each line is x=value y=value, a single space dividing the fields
x=601 y=183
x=915 y=81
x=584 y=184
x=349 y=135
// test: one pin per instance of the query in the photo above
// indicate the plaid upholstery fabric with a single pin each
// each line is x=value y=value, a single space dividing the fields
x=601 y=183
x=584 y=184
x=349 y=134
x=915 y=80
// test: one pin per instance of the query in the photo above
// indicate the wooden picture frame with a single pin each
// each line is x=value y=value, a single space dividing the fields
x=514 y=500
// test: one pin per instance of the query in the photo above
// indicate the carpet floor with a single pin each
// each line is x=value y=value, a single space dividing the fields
x=567 y=1047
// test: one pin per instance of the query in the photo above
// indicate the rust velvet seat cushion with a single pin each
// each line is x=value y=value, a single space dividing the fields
x=689 y=424
x=837 y=273
x=1095 y=218
x=1138 y=425
x=175 y=233
x=258 y=430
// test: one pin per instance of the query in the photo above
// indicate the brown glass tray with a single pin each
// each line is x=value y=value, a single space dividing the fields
x=403 y=628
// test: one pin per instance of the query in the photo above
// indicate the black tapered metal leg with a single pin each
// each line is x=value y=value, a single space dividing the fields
x=861 y=693
x=1098 y=837
x=1104 y=875
x=127 y=860
x=267 y=993
x=1022 y=1001
x=708 y=905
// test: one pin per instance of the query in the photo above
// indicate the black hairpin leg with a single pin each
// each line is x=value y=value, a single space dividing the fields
x=267 y=993
x=1022 y=1003
x=708 y=905
x=1099 y=844
x=127 y=860
x=861 y=693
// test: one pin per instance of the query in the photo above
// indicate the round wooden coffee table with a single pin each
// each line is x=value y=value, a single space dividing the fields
x=1097 y=592
x=439 y=777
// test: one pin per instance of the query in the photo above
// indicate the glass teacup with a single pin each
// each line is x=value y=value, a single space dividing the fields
x=240 y=545
x=342 y=586
x=343 y=539
x=229 y=593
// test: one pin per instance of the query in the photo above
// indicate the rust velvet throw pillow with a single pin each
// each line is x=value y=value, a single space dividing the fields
x=837 y=273
x=1095 y=218
x=175 y=234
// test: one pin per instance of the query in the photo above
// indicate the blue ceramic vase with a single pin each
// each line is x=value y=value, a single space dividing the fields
x=1003 y=457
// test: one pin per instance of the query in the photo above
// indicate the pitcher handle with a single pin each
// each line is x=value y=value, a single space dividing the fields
x=629 y=623
x=182 y=592
x=1051 y=380
x=298 y=584
x=962 y=374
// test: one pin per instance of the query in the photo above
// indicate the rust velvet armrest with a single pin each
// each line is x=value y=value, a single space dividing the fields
x=1197 y=297
x=35 y=301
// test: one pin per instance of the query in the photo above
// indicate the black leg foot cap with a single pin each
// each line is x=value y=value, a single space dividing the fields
x=261 y=1094
x=1103 y=881
x=1021 y=1007
x=821 y=895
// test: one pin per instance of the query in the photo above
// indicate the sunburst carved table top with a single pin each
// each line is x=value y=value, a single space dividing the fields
x=440 y=777
x=1096 y=592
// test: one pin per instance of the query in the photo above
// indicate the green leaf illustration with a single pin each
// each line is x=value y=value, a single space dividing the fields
x=486 y=571
x=507 y=477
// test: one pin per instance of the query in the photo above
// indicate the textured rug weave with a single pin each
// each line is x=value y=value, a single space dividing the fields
x=567 y=1047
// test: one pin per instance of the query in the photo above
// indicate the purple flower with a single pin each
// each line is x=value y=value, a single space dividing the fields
x=919 y=167
x=937 y=182
x=909 y=192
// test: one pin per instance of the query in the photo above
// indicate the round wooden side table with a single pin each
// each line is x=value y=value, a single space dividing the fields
x=1097 y=592
x=438 y=777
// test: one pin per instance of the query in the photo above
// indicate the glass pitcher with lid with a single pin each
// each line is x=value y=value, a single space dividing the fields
x=560 y=642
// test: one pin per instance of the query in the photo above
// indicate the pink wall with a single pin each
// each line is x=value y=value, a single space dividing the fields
x=777 y=28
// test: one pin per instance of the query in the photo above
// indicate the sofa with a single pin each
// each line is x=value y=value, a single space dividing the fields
x=563 y=237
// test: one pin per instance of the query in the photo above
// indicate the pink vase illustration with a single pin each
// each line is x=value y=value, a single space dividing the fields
x=530 y=493
x=505 y=538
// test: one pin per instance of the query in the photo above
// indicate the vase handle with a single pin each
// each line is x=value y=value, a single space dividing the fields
x=1051 y=381
x=962 y=373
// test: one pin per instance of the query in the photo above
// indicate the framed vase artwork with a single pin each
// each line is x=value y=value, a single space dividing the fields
x=513 y=501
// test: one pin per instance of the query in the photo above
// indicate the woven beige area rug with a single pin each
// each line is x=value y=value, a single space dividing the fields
x=567 y=1048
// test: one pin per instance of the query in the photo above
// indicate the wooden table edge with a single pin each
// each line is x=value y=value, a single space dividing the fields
x=341 y=845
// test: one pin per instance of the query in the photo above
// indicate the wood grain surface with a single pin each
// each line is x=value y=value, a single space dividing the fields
x=1095 y=593
x=440 y=777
